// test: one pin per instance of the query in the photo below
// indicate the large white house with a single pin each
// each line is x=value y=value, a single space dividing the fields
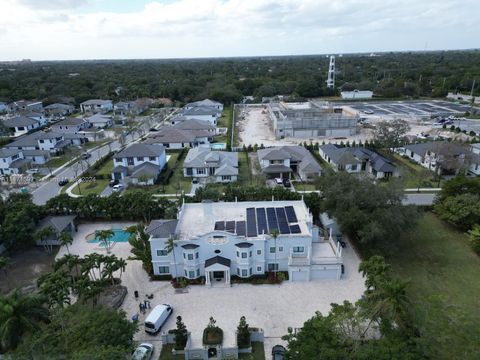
x=139 y=164
x=204 y=113
x=205 y=103
x=219 y=240
x=21 y=125
x=70 y=126
x=11 y=161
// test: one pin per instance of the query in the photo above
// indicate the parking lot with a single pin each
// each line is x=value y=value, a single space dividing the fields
x=417 y=108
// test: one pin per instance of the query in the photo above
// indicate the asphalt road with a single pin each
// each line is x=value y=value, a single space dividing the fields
x=50 y=188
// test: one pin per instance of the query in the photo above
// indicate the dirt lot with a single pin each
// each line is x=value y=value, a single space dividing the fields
x=26 y=266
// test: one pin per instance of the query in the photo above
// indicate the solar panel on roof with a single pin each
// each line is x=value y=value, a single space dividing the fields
x=282 y=221
x=291 y=216
x=220 y=225
x=251 y=223
x=230 y=226
x=240 y=228
x=272 y=220
x=262 y=221
x=295 y=229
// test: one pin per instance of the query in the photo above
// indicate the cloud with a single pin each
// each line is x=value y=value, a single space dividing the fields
x=191 y=28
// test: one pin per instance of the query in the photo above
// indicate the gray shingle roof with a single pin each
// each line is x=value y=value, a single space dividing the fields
x=140 y=150
x=162 y=229
x=58 y=223
x=147 y=168
x=96 y=102
x=197 y=157
x=297 y=153
x=194 y=124
x=274 y=169
x=201 y=110
x=170 y=135
x=217 y=260
x=70 y=121
x=20 y=121
x=205 y=102
x=4 y=153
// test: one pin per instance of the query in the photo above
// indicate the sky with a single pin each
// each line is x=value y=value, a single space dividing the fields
x=138 y=29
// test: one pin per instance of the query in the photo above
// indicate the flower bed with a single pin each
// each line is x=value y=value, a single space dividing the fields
x=212 y=336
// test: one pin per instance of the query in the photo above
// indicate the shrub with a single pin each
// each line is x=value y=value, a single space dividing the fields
x=212 y=335
x=474 y=236
x=243 y=333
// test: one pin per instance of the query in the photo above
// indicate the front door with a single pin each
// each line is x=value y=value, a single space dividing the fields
x=218 y=275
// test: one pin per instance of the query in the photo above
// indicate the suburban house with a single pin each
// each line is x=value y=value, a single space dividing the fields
x=205 y=103
x=446 y=157
x=173 y=138
x=40 y=140
x=177 y=119
x=211 y=166
x=12 y=161
x=224 y=239
x=99 y=121
x=197 y=126
x=40 y=117
x=358 y=159
x=96 y=106
x=70 y=125
x=21 y=125
x=282 y=161
x=204 y=113
x=58 y=225
x=24 y=105
x=59 y=109
x=139 y=164
x=38 y=157
x=132 y=107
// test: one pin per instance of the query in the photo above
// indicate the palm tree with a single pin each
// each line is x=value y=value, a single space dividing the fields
x=274 y=233
x=56 y=286
x=121 y=263
x=104 y=236
x=43 y=235
x=170 y=246
x=19 y=313
x=5 y=263
x=139 y=240
x=66 y=239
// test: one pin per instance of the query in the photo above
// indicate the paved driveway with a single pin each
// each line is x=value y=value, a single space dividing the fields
x=273 y=308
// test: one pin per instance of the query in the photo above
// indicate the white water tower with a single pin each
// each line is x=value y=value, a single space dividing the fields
x=331 y=73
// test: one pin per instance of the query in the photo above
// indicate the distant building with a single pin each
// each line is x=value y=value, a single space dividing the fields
x=358 y=159
x=310 y=120
x=70 y=125
x=24 y=105
x=211 y=166
x=139 y=164
x=173 y=138
x=99 y=121
x=283 y=161
x=356 y=94
x=205 y=103
x=59 y=109
x=205 y=113
x=40 y=140
x=96 y=106
x=21 y=125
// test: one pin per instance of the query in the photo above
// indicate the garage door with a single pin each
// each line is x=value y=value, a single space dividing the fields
x=324 y=274
x=299 y=276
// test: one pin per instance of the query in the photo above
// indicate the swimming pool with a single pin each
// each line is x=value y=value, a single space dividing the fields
x=119 y=235
x=218 y=146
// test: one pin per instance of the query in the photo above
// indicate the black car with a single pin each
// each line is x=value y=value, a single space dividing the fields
x=278 y=352
x=112 y=183
x=287 y=183
x=153 y=129
x=63 y=182
x=86 y=156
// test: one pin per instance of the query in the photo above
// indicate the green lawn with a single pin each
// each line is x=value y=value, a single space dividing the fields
x=258 y=352
x=91 y=187
x=177 y=182
x=445 y=287
x=106 y=169
x=58 y=161
x=414 y=175
x=166 y=353
x=92 y=144
x=244 y=173
x=225 y=120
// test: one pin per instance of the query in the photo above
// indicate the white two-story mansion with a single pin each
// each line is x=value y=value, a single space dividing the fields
x=219 y=240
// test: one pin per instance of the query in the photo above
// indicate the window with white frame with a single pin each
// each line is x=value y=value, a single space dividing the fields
x=244 y=272
x=298 y=249
x=191 y=274
x=259 y=268
x=259 y=252
x=238 y=254
x=198 y=272
x=163 y=270
x=244 y=255
x=189 y=256
x=226 y=177
x=250 y=272
x=196 y=255
x=162 y=252
x=272 y=267
x=272 y=250
x=201 y=171
x=280 y=249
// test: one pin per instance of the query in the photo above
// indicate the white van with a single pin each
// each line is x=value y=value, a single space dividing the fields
x=157 y=317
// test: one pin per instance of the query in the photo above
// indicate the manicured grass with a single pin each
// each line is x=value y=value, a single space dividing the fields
x=445 y=287
x=92 y=144
x=226 y=119
x=177 y=182
x=304 y=187
x=258 y=352
x=91 y=187
x=56 y=162
x=414 y=175
x=166 y=353
x=106 y=169
x=244 y=173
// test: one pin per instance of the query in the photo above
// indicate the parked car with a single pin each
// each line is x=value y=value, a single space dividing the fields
x=112 y=183
x=86 y=156
x=144 y=351
x=153 y=129
x=287 y=183
x=157 y=317
x=278 y=181
x=32 y=171
x=195 y=181
x=118 y=187
x=63 y=182
x=278 y=352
